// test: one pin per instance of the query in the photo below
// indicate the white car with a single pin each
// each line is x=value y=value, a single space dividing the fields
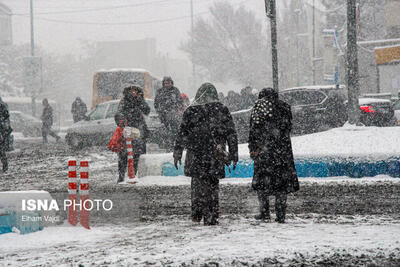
x=26 y=124
x=100 y=126
x=396 y=107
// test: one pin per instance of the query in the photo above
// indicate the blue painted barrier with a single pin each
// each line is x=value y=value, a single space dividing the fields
x=5 y=223
x=324 y=167
x=25 y=225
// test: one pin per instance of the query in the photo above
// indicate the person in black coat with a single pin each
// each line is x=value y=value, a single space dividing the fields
x=206 y=125
x=131 y=111
x=169 y=105
x=78 y=110
x=270 y=148
x=5 y=131
x=47 y=121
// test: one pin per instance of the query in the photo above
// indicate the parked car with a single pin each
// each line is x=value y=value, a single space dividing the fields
x=316 y=108
x=376 y=112
x=100 y=125
x=396 y=108
x=26 y=124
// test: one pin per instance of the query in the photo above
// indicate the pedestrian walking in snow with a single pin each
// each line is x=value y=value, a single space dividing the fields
x=206 y=128
x=131 y=111
x=47 y=121
x=169 y=106
x=5 y=131
x=270 y=148
x=78 y=110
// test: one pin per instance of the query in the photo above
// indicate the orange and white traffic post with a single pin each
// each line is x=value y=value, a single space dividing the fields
x=72 y=191
x=131 y=167
x=84 y=194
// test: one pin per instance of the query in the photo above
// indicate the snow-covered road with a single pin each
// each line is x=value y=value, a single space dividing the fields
x=308 y=239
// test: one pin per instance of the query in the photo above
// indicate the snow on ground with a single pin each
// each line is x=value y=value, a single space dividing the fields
x=347 y=141
x=176 y=241
x=183 y=180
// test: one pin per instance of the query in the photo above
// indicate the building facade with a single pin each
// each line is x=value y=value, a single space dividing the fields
x=5 y=25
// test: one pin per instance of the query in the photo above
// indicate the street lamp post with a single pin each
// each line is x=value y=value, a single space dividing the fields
x=33 y=94
x=270 y=9
x=353 y=85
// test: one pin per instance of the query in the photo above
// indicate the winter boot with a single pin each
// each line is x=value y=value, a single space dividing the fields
x=264 y=207
x=280 y=207
x=262 y=216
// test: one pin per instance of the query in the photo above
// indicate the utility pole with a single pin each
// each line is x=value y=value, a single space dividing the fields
x=32 y=55
x=32 y=36
x=192 y=27
x=353 y=85
x=313 y=43
x=270 y=10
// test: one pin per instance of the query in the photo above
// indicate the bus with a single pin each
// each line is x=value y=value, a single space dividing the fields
x=108 y=84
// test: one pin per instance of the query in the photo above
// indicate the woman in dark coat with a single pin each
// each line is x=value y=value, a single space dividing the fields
x=206 y=124
x=131 y=111
x=270 y=148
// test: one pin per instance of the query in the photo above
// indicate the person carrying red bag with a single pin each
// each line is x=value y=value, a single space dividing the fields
x=131 y=111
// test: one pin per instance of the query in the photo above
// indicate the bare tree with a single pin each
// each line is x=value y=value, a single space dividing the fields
x=231 y=45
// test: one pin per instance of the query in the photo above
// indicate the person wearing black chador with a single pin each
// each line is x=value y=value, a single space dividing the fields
x=131 y=111
x=271 y=149
x=206 y=126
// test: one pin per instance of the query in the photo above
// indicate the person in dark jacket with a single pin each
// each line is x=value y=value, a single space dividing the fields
x=206 y=125
x=270 y=148
x=131 y=111
x=169 y=106
x=5 y=131
x=47 y=121
x=78 y=110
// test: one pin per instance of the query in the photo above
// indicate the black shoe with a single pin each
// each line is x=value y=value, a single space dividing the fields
x=214 y=222
x=262 y=217
x=280 y=220
x=196 y=220
x=120 y=179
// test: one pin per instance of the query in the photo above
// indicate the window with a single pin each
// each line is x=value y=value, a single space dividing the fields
x=112 y=110
x=98 y=112
x=298 y=98
x=112 y=83
x=396 y=105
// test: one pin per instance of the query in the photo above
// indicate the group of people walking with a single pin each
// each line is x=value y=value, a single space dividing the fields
x=205 y=128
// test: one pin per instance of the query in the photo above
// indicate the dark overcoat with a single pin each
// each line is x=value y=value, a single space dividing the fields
x=5 y=127
x=270 y=126
x=47 y=116
x=168 y=102
x=131 y=111
x=201 y=126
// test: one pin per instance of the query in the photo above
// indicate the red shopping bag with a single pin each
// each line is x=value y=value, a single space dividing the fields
x=116 y=143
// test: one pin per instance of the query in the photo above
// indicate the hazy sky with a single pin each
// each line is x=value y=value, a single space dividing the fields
x=59 y=30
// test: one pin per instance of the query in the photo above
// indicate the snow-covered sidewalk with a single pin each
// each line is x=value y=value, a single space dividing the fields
x=236 y=241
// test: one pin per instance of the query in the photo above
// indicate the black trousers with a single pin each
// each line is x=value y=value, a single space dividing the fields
x=205 y=199
x=280 y=204
x=46 y=130
x=123 y=163
x=3 y=158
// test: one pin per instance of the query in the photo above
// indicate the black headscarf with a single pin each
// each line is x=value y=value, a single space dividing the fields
x=269 y=94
